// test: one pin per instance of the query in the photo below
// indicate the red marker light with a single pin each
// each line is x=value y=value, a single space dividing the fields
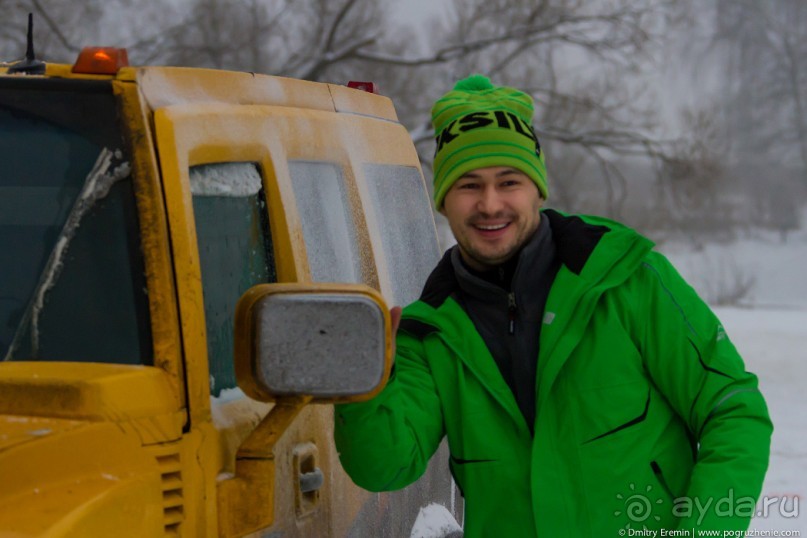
x=369 y=87
x=101 y=60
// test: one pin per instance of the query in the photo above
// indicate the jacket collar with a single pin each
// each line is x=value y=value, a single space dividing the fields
x=596 y=254
x=575 y=240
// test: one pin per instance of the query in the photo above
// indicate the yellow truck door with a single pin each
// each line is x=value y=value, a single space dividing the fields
x=315 y=170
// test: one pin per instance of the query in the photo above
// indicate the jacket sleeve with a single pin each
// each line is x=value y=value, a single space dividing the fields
x=696 y=367
x=385 y=443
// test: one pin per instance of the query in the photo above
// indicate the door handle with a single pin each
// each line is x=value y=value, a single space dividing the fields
x=311 y=481
x=310 y=478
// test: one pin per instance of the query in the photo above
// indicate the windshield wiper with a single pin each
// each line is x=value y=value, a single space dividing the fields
x=105 y=173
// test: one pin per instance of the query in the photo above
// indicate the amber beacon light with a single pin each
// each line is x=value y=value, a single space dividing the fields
x=101 y=60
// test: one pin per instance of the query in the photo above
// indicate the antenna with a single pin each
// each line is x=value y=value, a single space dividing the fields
x=30 y=65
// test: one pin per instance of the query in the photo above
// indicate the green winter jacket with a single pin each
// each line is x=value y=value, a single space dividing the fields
x=645 y=413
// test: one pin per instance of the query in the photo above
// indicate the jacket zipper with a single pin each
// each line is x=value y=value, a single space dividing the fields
x=515 y=414
x=511 y=311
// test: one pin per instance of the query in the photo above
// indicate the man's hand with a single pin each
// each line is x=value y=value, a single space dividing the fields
x=395 y=321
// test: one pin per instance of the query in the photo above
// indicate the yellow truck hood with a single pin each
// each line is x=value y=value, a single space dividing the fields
x=72 y=454
x=63 y=478
x=137 y=398
x=16 y=430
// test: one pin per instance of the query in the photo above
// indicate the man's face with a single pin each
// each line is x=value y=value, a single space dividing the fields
x=492 y=212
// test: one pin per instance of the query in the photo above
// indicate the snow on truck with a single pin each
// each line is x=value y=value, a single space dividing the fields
x=192 y=266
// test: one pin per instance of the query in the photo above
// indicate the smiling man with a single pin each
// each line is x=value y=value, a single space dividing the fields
x=492 y=213
x=573 y=371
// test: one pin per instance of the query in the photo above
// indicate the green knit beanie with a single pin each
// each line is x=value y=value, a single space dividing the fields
x=477 y=125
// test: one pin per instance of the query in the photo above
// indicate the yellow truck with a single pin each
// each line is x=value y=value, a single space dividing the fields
x=192 y=266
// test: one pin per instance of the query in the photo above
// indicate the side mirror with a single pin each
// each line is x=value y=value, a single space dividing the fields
x=328 y=341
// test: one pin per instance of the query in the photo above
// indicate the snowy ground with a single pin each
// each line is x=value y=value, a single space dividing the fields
x=777 y=270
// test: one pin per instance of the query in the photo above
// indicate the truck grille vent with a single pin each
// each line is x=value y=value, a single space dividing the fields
x=171 y=473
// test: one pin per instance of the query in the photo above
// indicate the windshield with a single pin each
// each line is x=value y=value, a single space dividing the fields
x=72 y=284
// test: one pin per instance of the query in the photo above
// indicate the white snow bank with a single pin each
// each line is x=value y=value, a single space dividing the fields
x=777 y=268
x=434 y=521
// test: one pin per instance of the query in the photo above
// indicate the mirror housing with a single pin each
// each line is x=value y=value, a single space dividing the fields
x=328 y=341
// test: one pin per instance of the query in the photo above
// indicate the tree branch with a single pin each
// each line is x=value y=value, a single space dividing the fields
x=54 y=27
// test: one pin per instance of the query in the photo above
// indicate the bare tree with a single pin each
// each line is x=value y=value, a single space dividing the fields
x=61 y=29
x=766 y=90
x=575 y=57
x=297 y=38
x=696 y=196
x=56 y=33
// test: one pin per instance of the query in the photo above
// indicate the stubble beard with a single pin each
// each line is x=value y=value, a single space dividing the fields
x=496 y=257
x=478 y=259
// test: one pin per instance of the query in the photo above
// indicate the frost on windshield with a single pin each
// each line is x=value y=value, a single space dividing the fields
x=106 y=172
x=328 y=229
x=406 y=222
